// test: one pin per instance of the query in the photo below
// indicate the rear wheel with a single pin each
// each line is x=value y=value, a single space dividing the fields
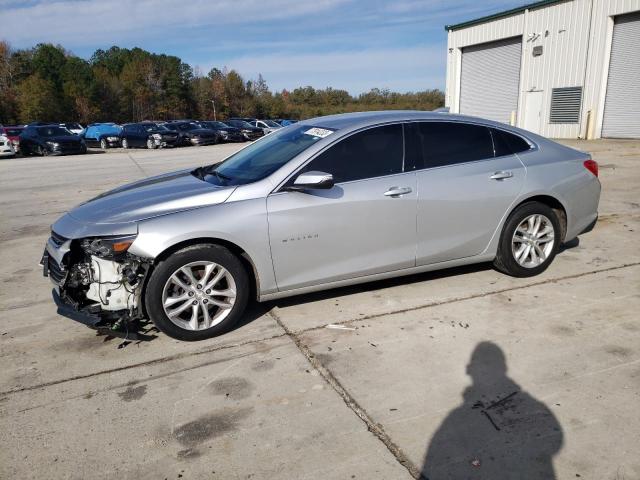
x=198 y=292
x=529 y=241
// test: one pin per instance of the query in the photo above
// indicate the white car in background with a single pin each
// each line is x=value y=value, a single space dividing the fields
x=73 y=127
x=6 y=147
x=267 y=126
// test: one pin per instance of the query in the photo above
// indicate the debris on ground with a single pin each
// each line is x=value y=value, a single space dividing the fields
x=335 y=326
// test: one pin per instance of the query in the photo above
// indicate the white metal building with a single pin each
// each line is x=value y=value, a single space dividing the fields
x=561 y=68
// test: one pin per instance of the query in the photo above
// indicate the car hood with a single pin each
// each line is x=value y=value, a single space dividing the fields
x=152 y=197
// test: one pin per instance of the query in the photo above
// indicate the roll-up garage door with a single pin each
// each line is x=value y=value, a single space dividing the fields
x=622 y=103
x=490 y=79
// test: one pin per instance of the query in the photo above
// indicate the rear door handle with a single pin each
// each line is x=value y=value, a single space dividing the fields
x=501 y=175
x=397 y=191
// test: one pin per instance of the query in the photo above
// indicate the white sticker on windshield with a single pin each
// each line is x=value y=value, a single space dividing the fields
x=318 y=132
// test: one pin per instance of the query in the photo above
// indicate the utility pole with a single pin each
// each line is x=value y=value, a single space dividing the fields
x=213 y=102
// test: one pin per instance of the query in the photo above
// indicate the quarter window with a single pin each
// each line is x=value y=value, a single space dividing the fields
x=507 y=144
x=372 y=153
x=437 y=144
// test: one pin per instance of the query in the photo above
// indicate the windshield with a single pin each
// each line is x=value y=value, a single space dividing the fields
x=154 y=127
x=218 y=124
x=264 y=157
x=240 y=124
x=53 y=131
x=188 y=126
x=75 y=126
x=13 y=132
x=272 y=124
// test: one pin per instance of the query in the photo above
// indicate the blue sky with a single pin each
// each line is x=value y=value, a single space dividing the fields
x=351 y=44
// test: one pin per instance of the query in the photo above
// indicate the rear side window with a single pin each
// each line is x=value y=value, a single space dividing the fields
x=437 y=144
x=506 y=143
x=372 y=153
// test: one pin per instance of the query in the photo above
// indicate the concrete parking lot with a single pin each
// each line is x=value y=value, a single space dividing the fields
x=464 y=373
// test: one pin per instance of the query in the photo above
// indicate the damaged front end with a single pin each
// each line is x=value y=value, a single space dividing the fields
x=97 y=282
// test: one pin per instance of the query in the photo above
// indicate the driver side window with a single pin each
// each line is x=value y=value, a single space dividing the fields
x=375 y=152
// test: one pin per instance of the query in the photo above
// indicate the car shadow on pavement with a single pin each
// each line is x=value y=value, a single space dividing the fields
x=498 y=431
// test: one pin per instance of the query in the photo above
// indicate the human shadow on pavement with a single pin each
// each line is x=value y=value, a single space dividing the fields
x=499 y=430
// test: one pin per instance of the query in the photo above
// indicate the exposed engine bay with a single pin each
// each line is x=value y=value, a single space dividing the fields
x=98 y=282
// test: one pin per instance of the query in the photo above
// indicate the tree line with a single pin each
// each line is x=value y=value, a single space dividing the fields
x=49 y=83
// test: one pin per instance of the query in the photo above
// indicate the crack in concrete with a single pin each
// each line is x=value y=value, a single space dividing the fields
x=470 y=297
x=180 y=356
x=376 y=429
x=156 y=361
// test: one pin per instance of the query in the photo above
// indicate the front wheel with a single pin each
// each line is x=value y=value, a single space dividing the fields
x=198 y=292
x=103 y=144
x=125 y=143
x=151 y=144
x=529 y=242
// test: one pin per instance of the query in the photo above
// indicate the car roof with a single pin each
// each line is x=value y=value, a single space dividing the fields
x=361 y=119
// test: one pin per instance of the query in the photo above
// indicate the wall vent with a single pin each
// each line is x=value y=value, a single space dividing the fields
x=565 y=105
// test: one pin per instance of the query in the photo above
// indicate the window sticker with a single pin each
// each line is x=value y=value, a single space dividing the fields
x=318 y=132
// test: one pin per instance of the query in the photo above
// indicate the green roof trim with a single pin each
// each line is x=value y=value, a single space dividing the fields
x=506 y=13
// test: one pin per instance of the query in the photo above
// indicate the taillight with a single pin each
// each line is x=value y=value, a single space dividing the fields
x=592 y=166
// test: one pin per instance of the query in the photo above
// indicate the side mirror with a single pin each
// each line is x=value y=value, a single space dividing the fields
x=312 y=181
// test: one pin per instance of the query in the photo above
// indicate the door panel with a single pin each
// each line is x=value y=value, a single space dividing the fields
x=460 y=206
x=351 y=230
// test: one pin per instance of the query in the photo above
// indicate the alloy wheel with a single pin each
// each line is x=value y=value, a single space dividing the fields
x=533 y=241
x=199 y=295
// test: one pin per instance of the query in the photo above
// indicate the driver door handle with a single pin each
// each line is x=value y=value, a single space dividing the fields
x=501 y=175
x=395 y=192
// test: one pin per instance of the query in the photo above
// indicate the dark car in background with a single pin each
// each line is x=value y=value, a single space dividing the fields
x=50 y=140
x=103 y=135
x=248 y=131
x=13 y=134
x=192 y=133
x=147 y=135
x=226 y=133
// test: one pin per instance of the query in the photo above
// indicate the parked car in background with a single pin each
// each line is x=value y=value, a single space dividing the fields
x=13 y=134
x=50 y=140
x=267 y=126
x=73 y=127
x=147 y=135
x=248 y=131
x=191 y=133
x=244 y=119
x=6 y=146
x=227 y=133
x=103 y=135
x=329 y=202
x=284 y=122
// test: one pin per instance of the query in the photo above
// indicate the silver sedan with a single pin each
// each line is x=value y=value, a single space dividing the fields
x=323 y=203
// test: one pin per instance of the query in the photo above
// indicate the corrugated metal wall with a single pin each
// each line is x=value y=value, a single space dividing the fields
x=576 y=39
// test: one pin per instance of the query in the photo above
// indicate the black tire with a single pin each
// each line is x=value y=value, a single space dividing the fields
x=505 y=260
x=103 y=144
x=165 y=269
x=43 y=152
